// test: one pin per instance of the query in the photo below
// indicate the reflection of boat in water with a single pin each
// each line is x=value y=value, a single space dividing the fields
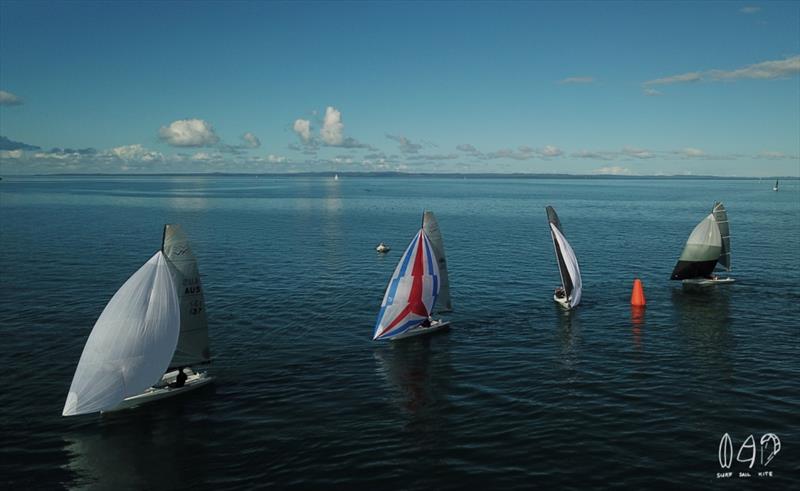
x=708 y=247
x=155 y=323
x=704 y=322
x=383 y=248
x=415 y=287
x=569 y=294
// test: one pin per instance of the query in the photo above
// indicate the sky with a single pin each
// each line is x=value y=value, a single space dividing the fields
x=646 y=88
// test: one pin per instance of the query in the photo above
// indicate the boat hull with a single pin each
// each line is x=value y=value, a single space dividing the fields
x=194 y=381
x=706 y=282
x=562 y=301
x=436 y=326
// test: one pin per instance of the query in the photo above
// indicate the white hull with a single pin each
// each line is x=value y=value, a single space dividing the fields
x=703 y=282
x=563 y=301
x=436 y=326
x=194 y=381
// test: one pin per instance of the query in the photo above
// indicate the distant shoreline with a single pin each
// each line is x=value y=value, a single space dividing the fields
x=415 y=175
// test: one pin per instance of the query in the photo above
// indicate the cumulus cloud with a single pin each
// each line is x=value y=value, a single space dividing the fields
x=332 y=131
x=303 y=129
x=577 y=80
x=8 y=144
x=406 y=145
x=188 y=133
x=467 y=148
x=9 y=99
x=650 y=92
x=638 y=153
x=613 y=170
x=692 y=152
x=134 y=152
x=750 y=10
x=772 y=155
x=250 y=140
x=765 y=70
x=276 y=159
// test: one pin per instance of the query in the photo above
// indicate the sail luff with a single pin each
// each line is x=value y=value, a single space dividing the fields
x=431 y=227
x=193 y=346
x=554 y=222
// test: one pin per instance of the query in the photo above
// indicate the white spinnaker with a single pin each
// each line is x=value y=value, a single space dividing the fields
x=704 y=243
x=431 y=227
x=571 y=262
x=131 y=343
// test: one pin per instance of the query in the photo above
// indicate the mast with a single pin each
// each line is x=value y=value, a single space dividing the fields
x=721 y=217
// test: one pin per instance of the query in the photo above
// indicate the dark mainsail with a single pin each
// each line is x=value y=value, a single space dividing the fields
x=566 y=280
x=721 y=217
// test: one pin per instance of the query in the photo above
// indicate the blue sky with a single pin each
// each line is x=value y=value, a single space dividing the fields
x=601 y=87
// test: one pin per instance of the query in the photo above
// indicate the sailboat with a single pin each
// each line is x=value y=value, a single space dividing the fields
x=569 y=294
x=708 y=247
x=775 y=187
x=415 y=287
x=336 y=177
x=154 y=322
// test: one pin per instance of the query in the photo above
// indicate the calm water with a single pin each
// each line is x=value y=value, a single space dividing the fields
x=519 y=394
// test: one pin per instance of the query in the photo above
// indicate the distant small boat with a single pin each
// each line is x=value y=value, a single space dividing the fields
x=155 y=323
x=708 y=247
x=383 y=248
x=413 y=290
x=775 y=187
x=569 y=294
x=336 y=177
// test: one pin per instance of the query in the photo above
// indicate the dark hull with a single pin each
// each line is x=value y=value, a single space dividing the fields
x=685 y=270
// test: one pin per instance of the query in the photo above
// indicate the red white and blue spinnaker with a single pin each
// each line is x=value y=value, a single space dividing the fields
x=412 y=291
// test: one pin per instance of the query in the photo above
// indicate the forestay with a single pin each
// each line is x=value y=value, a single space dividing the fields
x=412 y=291
x=193 y=341
x=434 y=233
x=131 y=343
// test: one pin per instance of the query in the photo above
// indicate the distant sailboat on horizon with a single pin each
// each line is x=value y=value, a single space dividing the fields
x=569 y=294
x=707 y=248
x=775 y=187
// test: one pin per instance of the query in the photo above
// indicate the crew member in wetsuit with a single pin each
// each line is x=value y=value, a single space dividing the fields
x=180 y=380
x=560 y=293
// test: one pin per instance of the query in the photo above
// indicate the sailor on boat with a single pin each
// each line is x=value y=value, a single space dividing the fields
x=382 y=248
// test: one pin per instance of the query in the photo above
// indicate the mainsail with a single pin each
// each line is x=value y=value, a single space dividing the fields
x=131 y=343
x=721 y=217
x=192 y=346
x=412 y=291
x=567 y=261
x=701 y=252
x=431 y=227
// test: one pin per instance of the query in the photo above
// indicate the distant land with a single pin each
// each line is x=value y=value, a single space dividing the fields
x=486 y=175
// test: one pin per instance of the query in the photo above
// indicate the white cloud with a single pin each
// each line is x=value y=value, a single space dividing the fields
x=332 y=131
x=303 y=129
x=467 y=148
x=133 y=152
x=765 y=70
x=676 y=79
x=9 y=99
x=11 y=154
x=638 y=153
x=551 y=151
x=750 y=10
x=772 y=155
x=188 y=133
x=577 y=80
x=276 y=159
x=652 y=92
x=251 y=140
x=614 y=170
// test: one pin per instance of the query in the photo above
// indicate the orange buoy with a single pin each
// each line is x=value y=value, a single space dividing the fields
x=637 y=295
